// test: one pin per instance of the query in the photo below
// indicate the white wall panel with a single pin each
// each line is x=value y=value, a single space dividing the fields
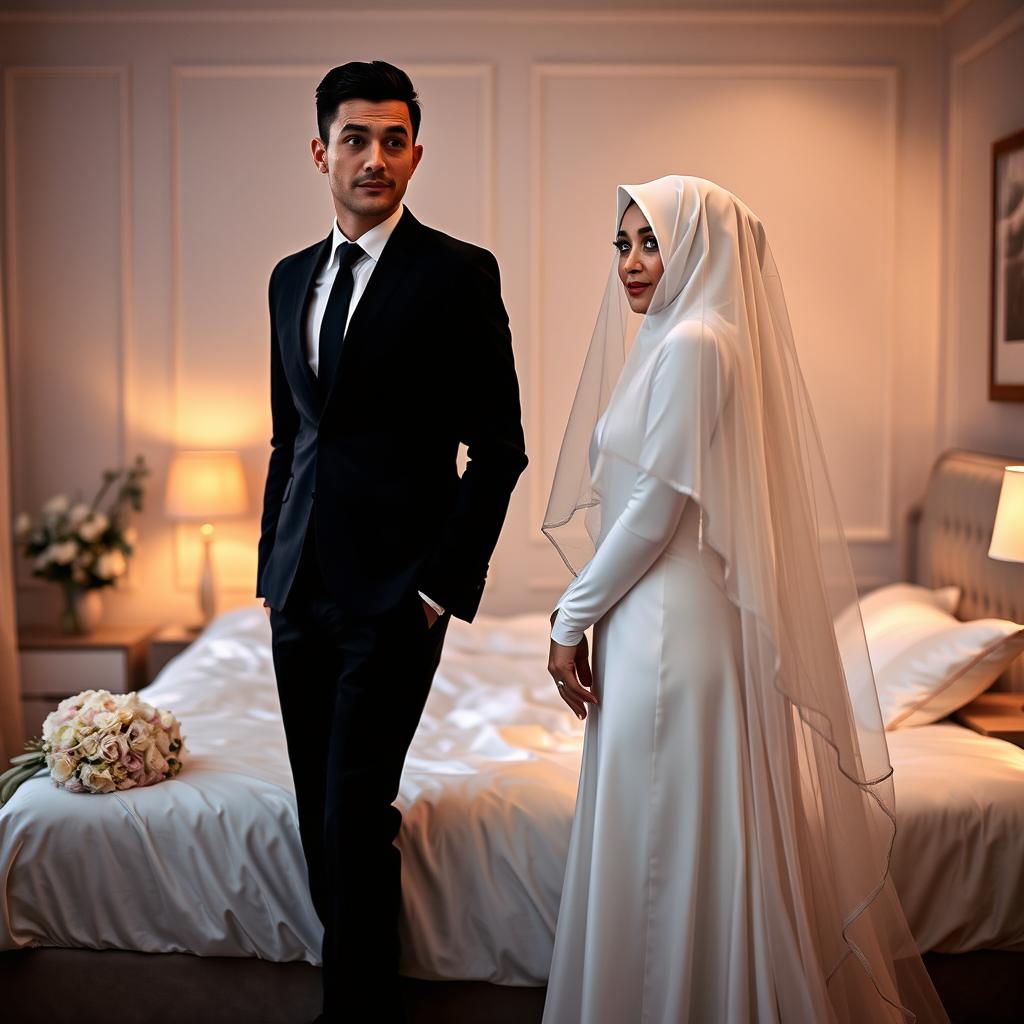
x=66 y=182
x=828 y=209
x=246 y=193
x=986 y=103
x=191 y=184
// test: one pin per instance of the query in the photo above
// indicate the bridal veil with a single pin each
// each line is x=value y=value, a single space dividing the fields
x=741 y=441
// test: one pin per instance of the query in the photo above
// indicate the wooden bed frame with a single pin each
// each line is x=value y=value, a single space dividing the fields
x=947 y=543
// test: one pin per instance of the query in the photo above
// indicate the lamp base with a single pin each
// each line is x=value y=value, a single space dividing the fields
x=207 y=588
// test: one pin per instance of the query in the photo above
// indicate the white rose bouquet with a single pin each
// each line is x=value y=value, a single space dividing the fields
x=80 y=545
x=100 y=742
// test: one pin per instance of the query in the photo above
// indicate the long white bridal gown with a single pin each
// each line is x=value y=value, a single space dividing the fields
x=661 y=920
x=735 y=814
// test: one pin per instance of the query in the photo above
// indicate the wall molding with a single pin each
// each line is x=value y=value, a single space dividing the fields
x=949 y=363
x=125 y=348
x=475 y=71
x=528 y=16
x=888 y=75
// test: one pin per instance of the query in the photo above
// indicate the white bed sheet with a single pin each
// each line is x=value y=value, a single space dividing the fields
x=210 y=862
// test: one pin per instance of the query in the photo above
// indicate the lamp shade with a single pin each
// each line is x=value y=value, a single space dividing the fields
x=206 y=485
x=1008 y=533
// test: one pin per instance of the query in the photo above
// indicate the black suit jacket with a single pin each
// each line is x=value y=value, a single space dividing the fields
x=426 y=363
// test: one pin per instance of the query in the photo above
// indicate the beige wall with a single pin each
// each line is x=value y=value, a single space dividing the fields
x=156 y=166
x=985 y=53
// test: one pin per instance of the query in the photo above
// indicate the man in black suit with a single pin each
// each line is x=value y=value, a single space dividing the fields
x=389 y=346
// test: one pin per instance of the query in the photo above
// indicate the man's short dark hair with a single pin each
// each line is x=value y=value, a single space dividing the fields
x=358 y=80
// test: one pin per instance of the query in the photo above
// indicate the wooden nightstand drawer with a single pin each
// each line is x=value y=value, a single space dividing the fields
x=59 y=673
x=55 y=664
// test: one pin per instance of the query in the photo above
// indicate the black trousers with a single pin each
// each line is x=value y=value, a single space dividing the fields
x=352 y=688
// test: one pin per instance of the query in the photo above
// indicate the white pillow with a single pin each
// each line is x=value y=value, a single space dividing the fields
x=946 y=598
x=941 y=672
x=902 y=613
x=892 y=615
x=927 y=663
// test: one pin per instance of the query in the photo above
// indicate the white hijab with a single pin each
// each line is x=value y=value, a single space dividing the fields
x=741 y=440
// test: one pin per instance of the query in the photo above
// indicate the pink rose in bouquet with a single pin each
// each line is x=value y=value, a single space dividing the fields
x=101 y=742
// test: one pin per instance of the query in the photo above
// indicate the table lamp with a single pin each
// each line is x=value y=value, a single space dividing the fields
x=202 y=486
x=1008 y=533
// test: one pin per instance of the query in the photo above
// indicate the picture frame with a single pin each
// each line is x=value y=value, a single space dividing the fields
x=1006 y=352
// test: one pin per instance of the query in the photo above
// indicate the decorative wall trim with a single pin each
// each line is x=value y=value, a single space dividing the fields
x=536 y=16
x=887 y=74
x=121 y=73
x=949 y=362
x=481 y=73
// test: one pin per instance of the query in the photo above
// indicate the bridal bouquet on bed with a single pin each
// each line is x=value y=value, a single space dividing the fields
x=100 y=742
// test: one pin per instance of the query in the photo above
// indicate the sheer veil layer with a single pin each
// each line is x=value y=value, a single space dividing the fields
x=742 y=442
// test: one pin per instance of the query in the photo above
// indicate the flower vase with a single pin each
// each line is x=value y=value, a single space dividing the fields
x=83 y=609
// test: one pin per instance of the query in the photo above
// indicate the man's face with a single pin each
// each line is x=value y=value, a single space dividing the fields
x=370 y=156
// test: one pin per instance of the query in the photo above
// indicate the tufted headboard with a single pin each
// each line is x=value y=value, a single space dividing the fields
x=948 y=541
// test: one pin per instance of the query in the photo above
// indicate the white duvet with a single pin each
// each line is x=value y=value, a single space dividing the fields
x=210 y=862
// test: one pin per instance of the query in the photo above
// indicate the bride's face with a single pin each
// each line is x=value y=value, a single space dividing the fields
x=640 y=266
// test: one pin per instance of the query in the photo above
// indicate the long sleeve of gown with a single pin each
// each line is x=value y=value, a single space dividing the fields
x=628 y=550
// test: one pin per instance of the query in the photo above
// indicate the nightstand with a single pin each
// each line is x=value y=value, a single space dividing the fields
x=168 y=643
x=995 y=714
x=55 y=665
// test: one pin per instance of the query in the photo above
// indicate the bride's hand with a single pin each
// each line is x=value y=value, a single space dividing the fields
x=570 y=669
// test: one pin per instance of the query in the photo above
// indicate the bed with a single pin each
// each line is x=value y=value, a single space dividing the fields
x=209 y=865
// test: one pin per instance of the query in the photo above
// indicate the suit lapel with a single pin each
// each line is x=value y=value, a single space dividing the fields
x=390 y=270
x=303 y=380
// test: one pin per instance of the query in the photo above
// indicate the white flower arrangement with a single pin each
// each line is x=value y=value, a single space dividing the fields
x=80 y=545
x=101 y=742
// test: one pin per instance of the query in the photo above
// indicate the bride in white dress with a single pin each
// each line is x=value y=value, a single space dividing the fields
x=730 y=849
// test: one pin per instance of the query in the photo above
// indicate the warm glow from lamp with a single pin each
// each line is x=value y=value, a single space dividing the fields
x=1008 y=533
x=206 y=485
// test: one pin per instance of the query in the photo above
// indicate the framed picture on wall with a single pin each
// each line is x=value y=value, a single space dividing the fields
x=1006 y=361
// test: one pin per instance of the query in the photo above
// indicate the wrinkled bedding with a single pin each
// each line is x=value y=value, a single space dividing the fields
x=210 y=862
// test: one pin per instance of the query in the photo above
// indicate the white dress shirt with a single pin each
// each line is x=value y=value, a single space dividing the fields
x=372 y=243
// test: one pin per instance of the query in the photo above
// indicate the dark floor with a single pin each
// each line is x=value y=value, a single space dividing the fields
x=985 y=987
x=48 y=985
x=44 y=986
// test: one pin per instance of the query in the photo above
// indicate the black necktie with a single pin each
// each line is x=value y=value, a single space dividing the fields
x=332 y=328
